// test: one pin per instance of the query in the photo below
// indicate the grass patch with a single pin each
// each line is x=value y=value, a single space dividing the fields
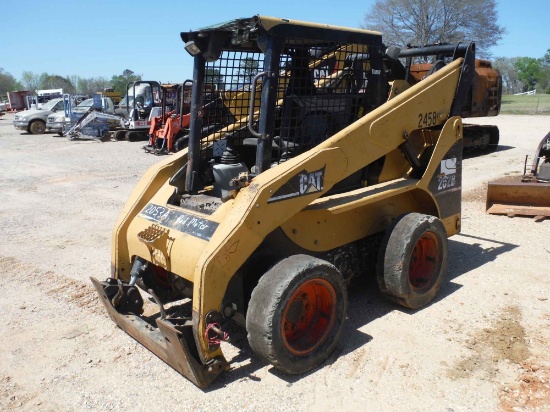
x=525 y=104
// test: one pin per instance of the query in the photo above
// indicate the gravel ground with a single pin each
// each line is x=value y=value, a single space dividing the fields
x=483 y=344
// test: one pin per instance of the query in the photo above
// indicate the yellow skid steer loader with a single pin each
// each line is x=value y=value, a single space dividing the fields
x=335 y=166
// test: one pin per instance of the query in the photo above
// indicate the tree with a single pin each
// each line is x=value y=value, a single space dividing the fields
x=94 y=85
x=529 y=71
x=545 y=73
x=121 y=81
x=248 y=69
x=30 y=81
x=55 y=81
x=8 y=83
x=213 y=76
x=510 y=80
x=423 y=22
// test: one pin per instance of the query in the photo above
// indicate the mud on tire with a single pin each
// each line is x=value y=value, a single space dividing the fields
x=296 y=313
x=412 y=259
x=37 y=127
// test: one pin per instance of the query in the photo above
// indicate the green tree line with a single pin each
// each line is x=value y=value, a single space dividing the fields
x=523 y=74
x=70 y=84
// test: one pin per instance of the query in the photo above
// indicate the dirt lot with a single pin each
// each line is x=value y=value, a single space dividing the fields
x=483 y=344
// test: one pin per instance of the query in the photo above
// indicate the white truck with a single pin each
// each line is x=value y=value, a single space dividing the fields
x=34 y=120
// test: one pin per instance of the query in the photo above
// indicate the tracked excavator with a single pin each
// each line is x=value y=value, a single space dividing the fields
x=333 y=167
x=484 y=98
x=140 y=105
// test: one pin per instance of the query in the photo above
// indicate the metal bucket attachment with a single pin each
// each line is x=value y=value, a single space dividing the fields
x=172 y=340
x=522 y=199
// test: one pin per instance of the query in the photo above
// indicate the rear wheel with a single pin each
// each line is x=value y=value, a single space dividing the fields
x=413 y=259
x=296 y=313
x=37 y=127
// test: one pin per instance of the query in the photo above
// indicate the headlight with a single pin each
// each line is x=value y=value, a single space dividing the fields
x=56 y=119
x=23 y=119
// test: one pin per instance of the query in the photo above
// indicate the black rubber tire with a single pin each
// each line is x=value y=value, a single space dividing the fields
x=136 y=136
x=120 y=135
x=282 y=294
x=60 y=134
x=37 y=127
x=406 y=272
x=180 y=143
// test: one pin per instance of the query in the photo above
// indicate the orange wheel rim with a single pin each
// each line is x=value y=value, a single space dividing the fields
x=424 y=261
x=308 y=316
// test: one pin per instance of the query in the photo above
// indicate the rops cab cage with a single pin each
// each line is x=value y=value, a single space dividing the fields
x=283 y=91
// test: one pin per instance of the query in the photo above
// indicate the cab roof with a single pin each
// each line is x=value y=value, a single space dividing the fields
x=245 y=33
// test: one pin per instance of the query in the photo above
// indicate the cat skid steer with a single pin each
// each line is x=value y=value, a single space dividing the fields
x=328 y=172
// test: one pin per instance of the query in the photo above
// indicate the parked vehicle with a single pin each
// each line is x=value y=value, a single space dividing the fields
x=58 y=122
x=18 y=100
x=141 y=104
x=34 y=120
x=42 y=96
x=115 y=96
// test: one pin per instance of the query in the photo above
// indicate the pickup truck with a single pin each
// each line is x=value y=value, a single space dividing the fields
x=34 y=120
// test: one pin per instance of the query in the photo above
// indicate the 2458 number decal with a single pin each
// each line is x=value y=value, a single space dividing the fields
x=427 y=119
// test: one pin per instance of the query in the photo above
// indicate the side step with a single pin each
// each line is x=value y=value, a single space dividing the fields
x=521 y=198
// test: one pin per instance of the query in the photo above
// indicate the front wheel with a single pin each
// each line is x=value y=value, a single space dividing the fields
x=37 y=127
x=296 y=313
x=412 y=259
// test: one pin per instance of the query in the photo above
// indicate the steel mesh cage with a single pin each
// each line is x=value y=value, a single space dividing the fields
x=320 y=90
x=227 y=94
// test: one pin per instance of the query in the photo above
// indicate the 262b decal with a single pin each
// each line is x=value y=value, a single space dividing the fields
x=427 y=119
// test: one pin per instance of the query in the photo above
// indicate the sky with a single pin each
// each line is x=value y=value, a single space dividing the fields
x=102 y=38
